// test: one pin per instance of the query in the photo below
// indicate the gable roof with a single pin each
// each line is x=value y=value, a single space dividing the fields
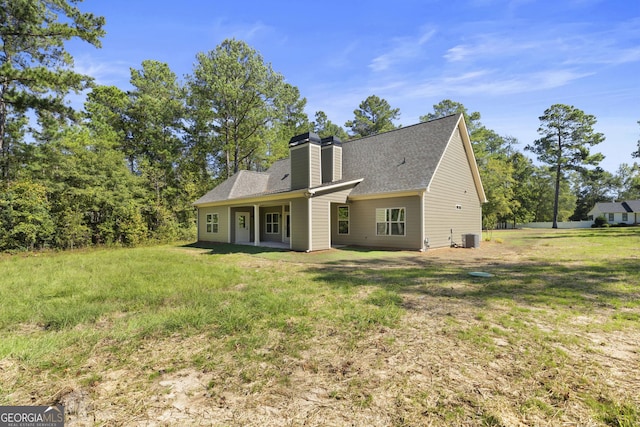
x=404 y=159
x=616 y=207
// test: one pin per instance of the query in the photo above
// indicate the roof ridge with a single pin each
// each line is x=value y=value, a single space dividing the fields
x=258 y=172
x=403 y=128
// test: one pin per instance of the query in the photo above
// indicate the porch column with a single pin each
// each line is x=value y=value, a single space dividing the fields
x=256 y=225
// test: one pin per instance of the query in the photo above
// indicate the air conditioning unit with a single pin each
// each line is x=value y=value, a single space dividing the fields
x=471 y=240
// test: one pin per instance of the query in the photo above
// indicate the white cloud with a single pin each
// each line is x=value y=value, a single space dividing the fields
x=572 y=43
x=458 y=53
x=404 y=48
x=104 y=72
x=247 y=31
x=491 y=83
x=489 y=47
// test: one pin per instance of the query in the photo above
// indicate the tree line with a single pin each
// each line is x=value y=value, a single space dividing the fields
x=126 y=167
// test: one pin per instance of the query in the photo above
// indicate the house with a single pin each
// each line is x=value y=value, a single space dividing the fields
x=627 y=212
x=416 y=187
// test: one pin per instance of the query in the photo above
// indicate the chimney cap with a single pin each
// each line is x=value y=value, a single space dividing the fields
x=331 y=140
x=304 y=138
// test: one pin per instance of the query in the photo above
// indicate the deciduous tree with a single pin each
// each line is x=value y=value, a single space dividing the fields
x=93 y=197
x=25 y=220
x=590 y=187
x=628 y=179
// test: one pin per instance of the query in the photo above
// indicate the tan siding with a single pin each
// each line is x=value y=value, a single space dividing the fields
x=452 y=185
x=331 y=163
x=315 y=166
x=299 y=225
x=300 y=167
x=337 y=163
x=306 y=166
x=223 y=229
x=362 y=224
x=320 y=224
x=336 y=196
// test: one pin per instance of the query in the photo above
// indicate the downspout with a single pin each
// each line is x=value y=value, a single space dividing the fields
x=309 y=185
x=198 y=224
x=290 y=227
x=310 y=223
x=256 y=225
x=229 y=222
x=422 y=230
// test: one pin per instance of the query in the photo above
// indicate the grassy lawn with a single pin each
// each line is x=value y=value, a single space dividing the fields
x=232 y=336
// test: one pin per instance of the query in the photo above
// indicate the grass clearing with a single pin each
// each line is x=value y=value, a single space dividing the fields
x=234 y=335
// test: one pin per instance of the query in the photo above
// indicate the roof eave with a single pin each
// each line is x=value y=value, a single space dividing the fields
x=254 y=199
x=389 y=194
x=334 y=187
x=471 y=157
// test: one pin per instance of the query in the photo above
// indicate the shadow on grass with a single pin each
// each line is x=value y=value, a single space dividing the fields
x=539 y=283
x=611 y=232
x=229 y=248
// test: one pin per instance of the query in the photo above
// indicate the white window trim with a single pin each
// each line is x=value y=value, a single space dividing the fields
x=389 y=222
x=348 y=220
x=273 y=215
x=210 y=223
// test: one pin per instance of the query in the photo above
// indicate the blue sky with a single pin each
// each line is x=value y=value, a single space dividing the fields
x=509 y=60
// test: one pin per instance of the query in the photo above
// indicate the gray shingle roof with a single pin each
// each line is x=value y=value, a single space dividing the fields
x=616 y=207
x=634 y=205
x=279 y=176
x=242 y=184
x=402 y=159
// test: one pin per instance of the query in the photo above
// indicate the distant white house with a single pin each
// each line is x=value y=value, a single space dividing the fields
x=627 y=212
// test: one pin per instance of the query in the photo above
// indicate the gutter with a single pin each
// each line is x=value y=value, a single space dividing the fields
x=254 y=198
x=312 y=191
x=387 y=195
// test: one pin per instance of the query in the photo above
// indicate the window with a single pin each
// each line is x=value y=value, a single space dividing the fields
x=390 y=222
x=272 y=223
x=625 y=217
x=610 y=217
x=343 y=219
x=212 y=223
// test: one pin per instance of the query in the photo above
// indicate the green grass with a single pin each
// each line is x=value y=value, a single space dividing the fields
x=51 y=302
x=254 y=314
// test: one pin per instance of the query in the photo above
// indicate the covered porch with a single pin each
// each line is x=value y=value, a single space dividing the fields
x=267 y=225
